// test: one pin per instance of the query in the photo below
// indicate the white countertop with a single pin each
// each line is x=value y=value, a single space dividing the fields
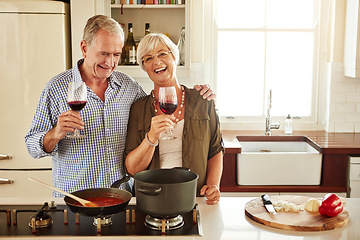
x=227 y=220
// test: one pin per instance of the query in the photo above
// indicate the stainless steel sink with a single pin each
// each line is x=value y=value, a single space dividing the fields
x=278 y=160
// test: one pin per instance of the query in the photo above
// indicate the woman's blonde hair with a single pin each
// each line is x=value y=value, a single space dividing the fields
x=150 y=41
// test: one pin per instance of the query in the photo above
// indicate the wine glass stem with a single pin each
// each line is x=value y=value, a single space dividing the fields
x=76 y=132
x=171 y=132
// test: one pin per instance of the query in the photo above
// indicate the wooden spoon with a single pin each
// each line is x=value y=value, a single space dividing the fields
x=84 y=202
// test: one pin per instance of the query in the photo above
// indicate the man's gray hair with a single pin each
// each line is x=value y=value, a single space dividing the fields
x=97 y=22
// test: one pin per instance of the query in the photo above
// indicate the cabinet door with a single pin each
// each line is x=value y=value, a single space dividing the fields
x=352 y=40
x=20 y=187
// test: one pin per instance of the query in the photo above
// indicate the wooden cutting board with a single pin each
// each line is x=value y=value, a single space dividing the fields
x=301 y=221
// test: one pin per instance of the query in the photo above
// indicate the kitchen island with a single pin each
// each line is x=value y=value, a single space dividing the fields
x=227 y=220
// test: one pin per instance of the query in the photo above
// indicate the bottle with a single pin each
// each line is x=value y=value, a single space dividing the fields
x=181 y=46
x=288 y=125
x=147 y=28
x=129 y=49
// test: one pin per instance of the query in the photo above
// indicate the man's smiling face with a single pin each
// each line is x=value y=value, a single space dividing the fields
x=103 y=55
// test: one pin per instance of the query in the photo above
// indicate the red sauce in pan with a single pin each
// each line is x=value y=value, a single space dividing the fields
x=102 y=201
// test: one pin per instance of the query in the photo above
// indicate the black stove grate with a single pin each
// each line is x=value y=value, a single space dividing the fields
x=119 y=226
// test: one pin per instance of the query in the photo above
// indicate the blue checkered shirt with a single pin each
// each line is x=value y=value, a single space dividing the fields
x=97 y=160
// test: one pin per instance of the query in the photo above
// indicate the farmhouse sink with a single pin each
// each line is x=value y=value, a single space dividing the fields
x=277 y=147
x=278 y=160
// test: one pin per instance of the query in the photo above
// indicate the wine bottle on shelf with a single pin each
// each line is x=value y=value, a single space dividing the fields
x=181 y=46
x=147 y=28
x=129 y=49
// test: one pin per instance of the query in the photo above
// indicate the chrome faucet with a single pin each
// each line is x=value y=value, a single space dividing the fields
x=270 y=125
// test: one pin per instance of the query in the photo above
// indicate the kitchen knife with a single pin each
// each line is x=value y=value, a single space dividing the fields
x=268 y=204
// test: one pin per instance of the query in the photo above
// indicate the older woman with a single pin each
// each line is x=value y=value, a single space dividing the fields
x=198 y=144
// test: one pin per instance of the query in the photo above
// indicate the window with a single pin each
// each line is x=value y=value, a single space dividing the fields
x=262 y=45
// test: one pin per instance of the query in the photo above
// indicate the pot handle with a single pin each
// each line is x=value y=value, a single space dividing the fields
x=153 y=191
x=117 y=183
x=182 y=168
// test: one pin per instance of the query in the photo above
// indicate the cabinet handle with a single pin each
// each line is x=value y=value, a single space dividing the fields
x=4 y=157
x=6 y=181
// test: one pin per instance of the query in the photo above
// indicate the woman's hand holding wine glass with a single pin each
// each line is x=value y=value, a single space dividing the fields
x=77 y=98
x=168 y=103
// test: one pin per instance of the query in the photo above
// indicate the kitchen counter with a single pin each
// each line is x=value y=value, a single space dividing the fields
x=334 y=143
x=227 y=220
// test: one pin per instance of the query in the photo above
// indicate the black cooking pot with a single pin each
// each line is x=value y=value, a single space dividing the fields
x=113 y=192
x=165 y=192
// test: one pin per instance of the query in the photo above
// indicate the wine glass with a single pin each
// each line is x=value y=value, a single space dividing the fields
x=168 y=104
x=76 y=99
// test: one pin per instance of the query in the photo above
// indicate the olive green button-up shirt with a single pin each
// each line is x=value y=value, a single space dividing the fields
x=201 y=138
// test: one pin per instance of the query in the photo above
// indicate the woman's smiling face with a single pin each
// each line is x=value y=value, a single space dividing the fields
x=160 y=65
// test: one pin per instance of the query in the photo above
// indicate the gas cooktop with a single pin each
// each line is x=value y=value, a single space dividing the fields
x=51 y=220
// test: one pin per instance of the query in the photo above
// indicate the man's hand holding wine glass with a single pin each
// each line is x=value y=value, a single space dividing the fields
x=67 y=122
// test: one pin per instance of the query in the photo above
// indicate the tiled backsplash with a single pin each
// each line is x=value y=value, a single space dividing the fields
x=343 y=95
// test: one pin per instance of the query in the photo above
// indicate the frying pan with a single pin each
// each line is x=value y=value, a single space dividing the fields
x=113 y=192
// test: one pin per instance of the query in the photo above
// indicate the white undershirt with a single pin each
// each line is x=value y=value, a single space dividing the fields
x=170 y=150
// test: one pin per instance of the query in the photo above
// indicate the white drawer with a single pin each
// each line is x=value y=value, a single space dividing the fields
x=355 y=160
x=22 y=187
x=354 y=172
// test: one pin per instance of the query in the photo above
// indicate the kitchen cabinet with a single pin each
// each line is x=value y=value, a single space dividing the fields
x=352 y=39
x=168 y=19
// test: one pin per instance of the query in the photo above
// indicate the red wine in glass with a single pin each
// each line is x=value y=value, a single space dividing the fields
x=77 y=105
x=168 y=104
x=168 y=108
x=77 y=98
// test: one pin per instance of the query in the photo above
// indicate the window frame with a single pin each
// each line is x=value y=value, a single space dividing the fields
x=313 y=122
